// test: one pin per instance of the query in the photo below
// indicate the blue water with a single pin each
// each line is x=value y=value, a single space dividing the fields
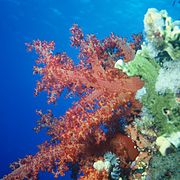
x=24 y=20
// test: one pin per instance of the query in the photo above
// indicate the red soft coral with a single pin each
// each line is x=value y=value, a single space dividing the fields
x=105 y=93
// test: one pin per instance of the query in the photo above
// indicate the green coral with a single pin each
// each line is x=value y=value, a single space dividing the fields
x=163 y=107
x=157 y=104
x=157 y=64
x=164 y=110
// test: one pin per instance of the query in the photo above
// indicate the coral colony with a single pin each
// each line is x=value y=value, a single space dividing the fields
x=125 y=124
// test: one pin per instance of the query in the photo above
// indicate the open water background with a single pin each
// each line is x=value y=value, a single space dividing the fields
x=22 y=21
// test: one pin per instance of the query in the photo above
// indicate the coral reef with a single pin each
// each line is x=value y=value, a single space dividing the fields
x=160 y=97
x=162 y=34
x=157 y=64
x=126 y=121
x=105 y=95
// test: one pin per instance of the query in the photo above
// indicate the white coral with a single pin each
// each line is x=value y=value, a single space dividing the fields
x=166 y=141
x=154 y=22
x=161 y=31
x=169 y=77
x=140 y=93
x=101 y=165
x=163 y=144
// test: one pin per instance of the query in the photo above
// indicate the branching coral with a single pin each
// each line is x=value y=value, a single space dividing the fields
x=105 y=94
x=110 y=99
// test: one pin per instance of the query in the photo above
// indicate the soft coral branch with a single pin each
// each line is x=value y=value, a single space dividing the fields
x=105 y=95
